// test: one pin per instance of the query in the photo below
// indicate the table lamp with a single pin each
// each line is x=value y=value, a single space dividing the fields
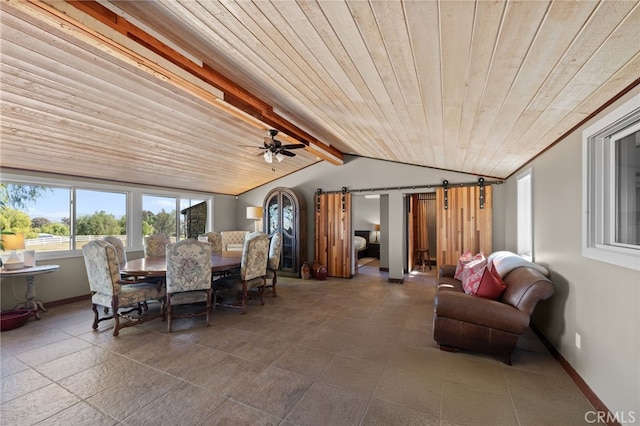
x=376 y=228
x=254 y=213
x=13 y=242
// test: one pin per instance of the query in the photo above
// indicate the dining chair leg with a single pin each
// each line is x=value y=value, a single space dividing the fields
x=245 y=295
x=274 y=283
x=116 y=318
x=209 y=307
x=95 y=316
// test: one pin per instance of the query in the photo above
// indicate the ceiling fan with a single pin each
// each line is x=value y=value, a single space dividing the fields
x=274 y=148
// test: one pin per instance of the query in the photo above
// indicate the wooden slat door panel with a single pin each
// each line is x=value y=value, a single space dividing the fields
x=463 y=225
x=422 y=220
x=333 y=233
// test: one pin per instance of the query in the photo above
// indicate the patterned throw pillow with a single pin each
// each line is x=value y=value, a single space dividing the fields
x=491 y=285
x=472 y=274
x=464 y=259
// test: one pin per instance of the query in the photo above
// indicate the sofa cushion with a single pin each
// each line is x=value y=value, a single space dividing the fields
x=450 y=283
x=463 y=260
x=472 y=274
x=506 y=261
x=491 y=285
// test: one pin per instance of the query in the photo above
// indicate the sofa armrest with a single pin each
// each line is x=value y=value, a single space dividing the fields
x=480 y=311
x=447 y=271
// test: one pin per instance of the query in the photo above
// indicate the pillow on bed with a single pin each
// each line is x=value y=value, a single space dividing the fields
x=359 y=242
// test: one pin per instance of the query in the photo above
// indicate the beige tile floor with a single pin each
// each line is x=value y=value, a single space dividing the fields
x=338 y=352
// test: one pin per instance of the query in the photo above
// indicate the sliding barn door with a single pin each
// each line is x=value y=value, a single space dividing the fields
x=463 y=225
x=333 y=233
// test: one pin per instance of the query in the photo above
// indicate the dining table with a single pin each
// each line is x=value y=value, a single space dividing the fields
x=156 y=266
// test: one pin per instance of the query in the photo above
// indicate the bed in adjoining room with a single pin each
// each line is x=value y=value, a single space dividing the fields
x=360 y=243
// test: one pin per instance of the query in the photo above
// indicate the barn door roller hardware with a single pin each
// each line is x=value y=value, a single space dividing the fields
x=445 y=185
x=343 y=199
x=318 y=192
x=481 y=184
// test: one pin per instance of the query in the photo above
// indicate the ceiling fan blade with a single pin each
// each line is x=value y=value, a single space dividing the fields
x=287 y=153
x=294 y=146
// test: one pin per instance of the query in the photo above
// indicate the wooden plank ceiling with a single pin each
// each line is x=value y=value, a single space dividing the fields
x=478 y=87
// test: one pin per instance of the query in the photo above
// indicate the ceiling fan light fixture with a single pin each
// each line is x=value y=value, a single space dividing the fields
x=268 y=156
x=279 y=156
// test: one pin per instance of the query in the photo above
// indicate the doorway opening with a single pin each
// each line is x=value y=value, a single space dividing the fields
x=421 y=230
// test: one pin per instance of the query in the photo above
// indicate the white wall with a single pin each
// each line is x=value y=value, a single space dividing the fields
x=363 y=174
x=225 y=217
x=598 y=300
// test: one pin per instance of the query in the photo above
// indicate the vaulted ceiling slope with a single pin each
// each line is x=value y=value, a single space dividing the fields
x=477 y=87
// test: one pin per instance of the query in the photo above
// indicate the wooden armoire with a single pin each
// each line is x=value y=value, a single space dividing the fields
x=285 y=211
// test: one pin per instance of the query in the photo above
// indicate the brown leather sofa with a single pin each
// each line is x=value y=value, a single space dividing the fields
x=465 y=321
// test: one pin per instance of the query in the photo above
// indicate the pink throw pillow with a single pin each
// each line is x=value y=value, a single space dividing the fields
x=463 y=260
x=472 y=274
x=491 y=285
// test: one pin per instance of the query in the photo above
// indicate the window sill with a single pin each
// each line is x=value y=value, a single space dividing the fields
x=625 y=258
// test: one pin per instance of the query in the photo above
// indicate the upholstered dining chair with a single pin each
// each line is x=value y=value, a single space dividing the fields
x=253 y=270
x=108 y=290
x=233 y=240
x=215 y=239
x=122 y=260
x=273 y=264
x=188 y=278
x=155 y=245
x=119 y=246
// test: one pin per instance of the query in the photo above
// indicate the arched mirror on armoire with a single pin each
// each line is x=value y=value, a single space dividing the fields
x=285 y=211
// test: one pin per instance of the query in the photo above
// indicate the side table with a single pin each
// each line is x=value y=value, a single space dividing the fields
x=30 y=302
x=373 y=250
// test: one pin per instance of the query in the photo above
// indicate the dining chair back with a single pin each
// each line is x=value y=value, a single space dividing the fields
x=155 y=245
x=273 y=264
x=119 y=246
x=188 y=278
x=108 y=290
x=253 y=270
x=215 y=239
x=233 y=240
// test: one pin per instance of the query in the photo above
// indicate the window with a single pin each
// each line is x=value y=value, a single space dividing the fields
x=611 y=191
x=197 y=223
x=58 y=216
x=525 y=222
x=42 y=213
x=159 y=216
x=98 y=214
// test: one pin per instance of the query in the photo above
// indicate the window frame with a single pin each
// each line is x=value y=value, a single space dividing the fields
x=134 y=194
x=598 y=187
